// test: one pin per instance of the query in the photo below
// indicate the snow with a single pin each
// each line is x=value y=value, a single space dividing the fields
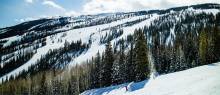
x=213 y=11
x=96 y=35
x=40 y=51
x=3 y=31
x=10 y=40
x=83 y=34
x=203 y=80
x=171 y=37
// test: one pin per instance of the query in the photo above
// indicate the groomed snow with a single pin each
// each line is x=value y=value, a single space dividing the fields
x=203 y=80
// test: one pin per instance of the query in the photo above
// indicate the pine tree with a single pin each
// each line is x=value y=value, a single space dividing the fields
x=181 y=59
x=217 y=38
x=97 y=70
x=210 y=47
x=102 y=70
x=130 y=64
x=119 y=67
x=122 y=64
x=107 y=65
x=141 y=56
x=173 y=65
x=157 y=52
x=115 y=75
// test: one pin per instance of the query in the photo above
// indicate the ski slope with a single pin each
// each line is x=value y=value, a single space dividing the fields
x=203 y=80
x=92 y=33
x=84 y=34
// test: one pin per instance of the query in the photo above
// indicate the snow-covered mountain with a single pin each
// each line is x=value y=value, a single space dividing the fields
x=23 y=45
x=203 y=80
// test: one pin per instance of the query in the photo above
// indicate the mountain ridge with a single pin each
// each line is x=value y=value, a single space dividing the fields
x=33 y=39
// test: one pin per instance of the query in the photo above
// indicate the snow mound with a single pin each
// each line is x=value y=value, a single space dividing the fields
x=203 y=80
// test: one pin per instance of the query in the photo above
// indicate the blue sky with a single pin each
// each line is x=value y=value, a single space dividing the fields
x=17 y=11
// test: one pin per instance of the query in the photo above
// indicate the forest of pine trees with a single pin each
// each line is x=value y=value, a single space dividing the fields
x=108 y=68
x=121 y=62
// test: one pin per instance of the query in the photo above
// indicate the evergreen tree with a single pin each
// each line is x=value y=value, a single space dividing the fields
x=119 y=66
x=173 y=65
x=107 y=65
x=122 y=64
x=130 y=64
x=97 y=71
x=115 y=75
x=180 y=59
x=217 y=38
x=141 y=56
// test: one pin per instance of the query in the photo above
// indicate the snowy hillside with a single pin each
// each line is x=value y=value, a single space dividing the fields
x=32 y=40
x=203 y=80
x=93 y=33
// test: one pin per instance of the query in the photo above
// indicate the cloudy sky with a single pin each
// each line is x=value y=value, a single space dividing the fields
x=17 y=11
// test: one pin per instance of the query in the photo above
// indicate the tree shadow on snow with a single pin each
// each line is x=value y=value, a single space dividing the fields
x=105 y=90
x=212 y=64
x=130 y=86
x=138 y=85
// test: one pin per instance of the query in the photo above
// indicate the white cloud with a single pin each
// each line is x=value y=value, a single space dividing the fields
x=100 y=6
x=72 y=13
x=53 y=5
x=67 y=13
x=64 y=11
x=29 y=1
